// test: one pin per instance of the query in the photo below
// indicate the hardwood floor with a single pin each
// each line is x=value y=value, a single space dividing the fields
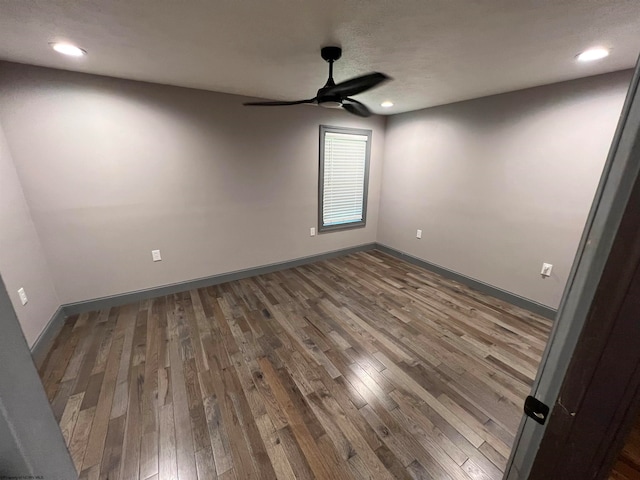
x=362 y=366
x=627 y=466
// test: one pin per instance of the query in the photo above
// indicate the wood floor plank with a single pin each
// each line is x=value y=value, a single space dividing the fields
x=492 y=454
x=205 y=465
x=133 y=426
x=150 y=427
x=102 y=351
x=84 y=344
x=298 y=426
x=98 y=435
x=184 y=440
x=92 y=390
x=149 y=454
x=167 y=465
x=70 y=416
x=336 y=420
x=430 y=445
x=218 y=436
x=78 y=443
x=60 y=361
x=433 y=432
x=257 y=451
x=50 y=359
x=110 y=466
x=273 y=444
x=59 y=402
x=358 y=367
x=128 y=315
x=92 y=473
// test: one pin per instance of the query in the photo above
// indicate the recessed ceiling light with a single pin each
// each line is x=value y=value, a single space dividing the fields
x=68 y=49
x=386 y=104
x=593 y=54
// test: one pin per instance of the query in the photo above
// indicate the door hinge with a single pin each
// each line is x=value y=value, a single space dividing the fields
x=535 y=409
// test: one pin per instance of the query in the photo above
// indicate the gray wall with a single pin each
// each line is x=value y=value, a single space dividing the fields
x=112 y=169
x=22 y=259
x=500 y=184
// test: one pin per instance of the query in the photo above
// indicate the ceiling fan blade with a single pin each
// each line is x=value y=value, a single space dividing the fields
x=355 y=107
x=357 y=85
x=276 y=104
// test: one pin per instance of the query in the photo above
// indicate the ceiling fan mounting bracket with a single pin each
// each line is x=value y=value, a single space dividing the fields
x=331 y=54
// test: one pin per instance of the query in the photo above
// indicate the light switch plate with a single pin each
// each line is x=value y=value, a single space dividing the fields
x=546 y=270
x=155 y=255
x=23 y=296
x=419 y=234
x=312 y=232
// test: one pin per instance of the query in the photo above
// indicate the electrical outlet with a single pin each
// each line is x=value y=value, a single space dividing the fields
x=155 y=255
x=546 y=270
x=23 y=296
x=419 y=234
x=312 y=231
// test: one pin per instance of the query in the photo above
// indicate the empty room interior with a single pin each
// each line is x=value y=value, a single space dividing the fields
x=356 y=280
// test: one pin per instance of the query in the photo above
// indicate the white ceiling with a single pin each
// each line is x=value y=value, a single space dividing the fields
x=438 y=51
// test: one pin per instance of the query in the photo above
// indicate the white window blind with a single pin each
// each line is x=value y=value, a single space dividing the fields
x=344 y=170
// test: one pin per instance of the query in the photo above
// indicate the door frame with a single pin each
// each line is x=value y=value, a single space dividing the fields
x=599 y=393
x=31 y=443
x=591 y=322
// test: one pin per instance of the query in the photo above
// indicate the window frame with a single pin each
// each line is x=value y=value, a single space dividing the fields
x=365 y=193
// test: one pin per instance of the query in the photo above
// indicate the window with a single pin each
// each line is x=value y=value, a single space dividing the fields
x=344 y=177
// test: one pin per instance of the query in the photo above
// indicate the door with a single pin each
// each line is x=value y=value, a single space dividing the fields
x=601 y=278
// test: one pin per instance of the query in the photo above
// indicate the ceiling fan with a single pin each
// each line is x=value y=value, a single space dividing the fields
x=338 y=96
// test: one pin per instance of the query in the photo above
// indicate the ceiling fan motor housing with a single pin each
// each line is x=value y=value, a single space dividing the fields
x=328 y=100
